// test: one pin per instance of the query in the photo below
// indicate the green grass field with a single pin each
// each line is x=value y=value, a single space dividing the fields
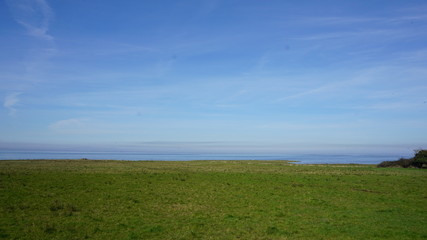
x=78 y=199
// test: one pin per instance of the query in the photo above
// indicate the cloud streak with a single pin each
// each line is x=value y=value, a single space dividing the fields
x=345 y=20
x=34 y=15
x=11 y=101
x=85 y=127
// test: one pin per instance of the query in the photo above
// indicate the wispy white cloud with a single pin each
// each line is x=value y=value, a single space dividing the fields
x=392 y=106
x=419 y=55
x=11 y=101
x=327 y=87
x=372 y=34
x=71 y=126
x=309 y=92
x=34 y=16
x=389 y=78
x=343 y=31
x=336 y=20
x=79 y=126
x=348 y=20
x=68 y=123
x=102 y=47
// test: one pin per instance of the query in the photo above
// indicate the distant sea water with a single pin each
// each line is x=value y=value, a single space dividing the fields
x=132 y=156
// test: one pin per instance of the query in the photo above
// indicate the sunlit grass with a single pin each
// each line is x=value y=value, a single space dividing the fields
x=79 y=199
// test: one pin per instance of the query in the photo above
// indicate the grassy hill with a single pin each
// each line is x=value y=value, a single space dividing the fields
x=86 y=199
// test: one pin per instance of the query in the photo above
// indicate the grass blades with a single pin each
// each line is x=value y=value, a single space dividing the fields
x=78 y=199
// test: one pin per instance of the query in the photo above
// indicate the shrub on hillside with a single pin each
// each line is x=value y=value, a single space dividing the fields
x=387 y=164
x=418 y=161
x=420 y=158
x=403 y=162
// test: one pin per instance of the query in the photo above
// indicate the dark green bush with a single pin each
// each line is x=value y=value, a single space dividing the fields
x=403 y=162
x=420 y=158
x=387 y=164
x=418 y=161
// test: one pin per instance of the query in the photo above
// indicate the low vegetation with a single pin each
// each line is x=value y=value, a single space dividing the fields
x=418 y=161
x=87 y=199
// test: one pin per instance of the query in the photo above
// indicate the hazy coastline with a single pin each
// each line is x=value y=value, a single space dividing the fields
x=137 y=156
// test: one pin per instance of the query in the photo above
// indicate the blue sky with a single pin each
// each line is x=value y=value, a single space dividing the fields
x=213 y=75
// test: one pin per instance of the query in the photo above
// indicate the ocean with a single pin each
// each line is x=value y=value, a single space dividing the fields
x=135 y=156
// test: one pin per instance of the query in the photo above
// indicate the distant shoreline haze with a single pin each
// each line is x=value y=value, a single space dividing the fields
x=134 y=156
x=216 y=148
